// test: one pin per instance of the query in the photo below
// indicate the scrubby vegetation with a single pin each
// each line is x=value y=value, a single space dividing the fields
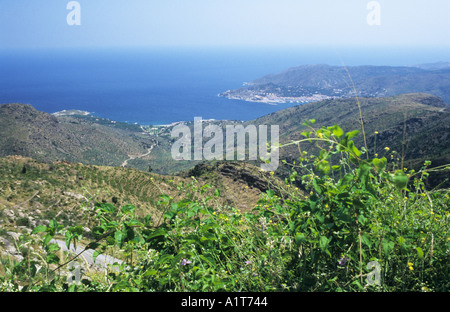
x=364 y=224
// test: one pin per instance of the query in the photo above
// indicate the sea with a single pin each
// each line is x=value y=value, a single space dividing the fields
x=162 y=85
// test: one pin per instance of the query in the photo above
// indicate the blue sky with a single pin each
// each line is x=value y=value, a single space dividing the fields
x=107 y=23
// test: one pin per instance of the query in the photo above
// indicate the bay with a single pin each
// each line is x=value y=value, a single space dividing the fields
x=165 y=85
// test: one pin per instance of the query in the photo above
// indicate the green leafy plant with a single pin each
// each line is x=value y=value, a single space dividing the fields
x=351 y=210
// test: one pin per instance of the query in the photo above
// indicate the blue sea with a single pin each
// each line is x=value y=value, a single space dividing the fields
x=165 y=85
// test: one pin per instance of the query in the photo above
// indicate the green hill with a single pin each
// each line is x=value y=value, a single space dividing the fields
x=28 y=132
x=34 y=192
x=415 y=126
x=224 y=225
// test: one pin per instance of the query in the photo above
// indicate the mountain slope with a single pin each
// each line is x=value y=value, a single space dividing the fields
x=28 y=132
x=425 y=119
x=34 y=192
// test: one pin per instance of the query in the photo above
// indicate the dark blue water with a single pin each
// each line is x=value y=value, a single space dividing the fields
x=160 y=86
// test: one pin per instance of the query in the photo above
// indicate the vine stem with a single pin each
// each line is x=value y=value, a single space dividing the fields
x=360 y=255
x=359 y=108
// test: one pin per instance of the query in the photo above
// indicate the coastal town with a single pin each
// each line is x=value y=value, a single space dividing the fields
x=273 y=98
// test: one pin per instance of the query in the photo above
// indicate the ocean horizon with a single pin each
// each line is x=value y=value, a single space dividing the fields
x=153 y=86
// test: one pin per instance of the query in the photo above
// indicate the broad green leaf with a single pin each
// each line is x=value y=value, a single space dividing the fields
x=362 y=220
x=39 y=229
x=363 y=173
x=106 y=207
x=76 y=230
x=99 y=230
x=419 y=252
x=299 y=238
x=380 y=163
x=317 y=187
x=351 y=146
x=134 y=223
x=158 y=232
x=388 y=247
x=208 y=237
x=130 y=235
x=346 y=180
x=337 y=131
x=53 y=224
x=169 y=215
x=208 y=259
x=128 y=209
x=96 y=254
x=119 y=237
x=53 y=247
x=399 y=179
x=165 y=199
x=363 y=170
x=326 y=133
x=166 y=258
x=68 y=237
x=52 y=259
x=47 y=239
x=93 y=246
x=323 y=243
x=150 y=272
x=306 y=134
x=110 y=241
x=320 y=217
x=323 y=166
x=365 y=239
x=352 y=134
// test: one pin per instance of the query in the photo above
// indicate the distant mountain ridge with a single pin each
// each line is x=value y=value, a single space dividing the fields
x=434 y=66
x=308 y=83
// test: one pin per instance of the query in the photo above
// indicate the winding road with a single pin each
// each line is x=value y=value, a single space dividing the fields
x=125 y=163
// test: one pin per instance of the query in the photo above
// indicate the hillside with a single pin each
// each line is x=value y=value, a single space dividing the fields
x=56 y=188
x=317 y=82
x=425 y=118
x=219 y=227
x=33 y=192
x=96 y=141
x=28 y=132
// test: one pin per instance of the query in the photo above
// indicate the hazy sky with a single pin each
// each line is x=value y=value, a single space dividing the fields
x=43 y=23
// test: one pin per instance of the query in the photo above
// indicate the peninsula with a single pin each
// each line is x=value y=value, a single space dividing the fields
x=311 y=83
